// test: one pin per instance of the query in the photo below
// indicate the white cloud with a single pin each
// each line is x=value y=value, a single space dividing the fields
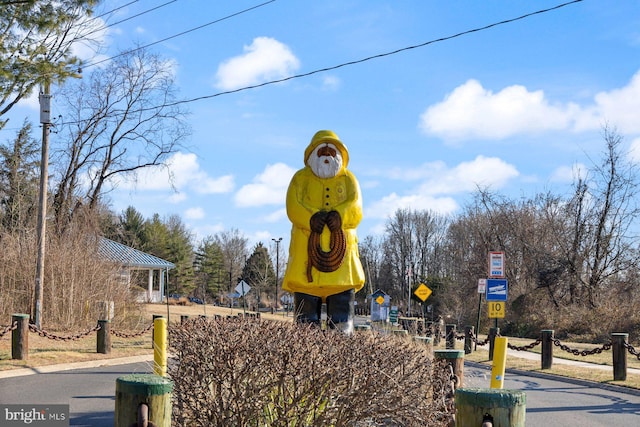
x=619 y=107
x=634 y=151
x=194 y=213
x=482 y=171
x=176 y=198
x=388 y=205
x=268 y=188
x=277 y=216
x=183 y=171
x=330 y=82
x=471 y=111
x=567 y=174
x=436 y=180
x=265 y=59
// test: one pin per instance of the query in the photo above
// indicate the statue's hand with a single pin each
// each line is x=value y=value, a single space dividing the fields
x=334 y=222
x=317 y=221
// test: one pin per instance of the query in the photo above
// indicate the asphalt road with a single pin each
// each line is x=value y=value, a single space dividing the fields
x=90 y=392
x=551 y=402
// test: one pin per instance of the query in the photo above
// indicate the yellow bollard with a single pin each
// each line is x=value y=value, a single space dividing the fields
x=160 y=346
x=499 y=362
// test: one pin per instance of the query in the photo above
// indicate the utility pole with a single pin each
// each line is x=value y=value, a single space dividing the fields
x=45 y=119
x=278 y=240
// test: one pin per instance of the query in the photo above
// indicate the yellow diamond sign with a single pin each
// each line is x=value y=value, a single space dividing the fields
x=380 y=300
x=423 y=292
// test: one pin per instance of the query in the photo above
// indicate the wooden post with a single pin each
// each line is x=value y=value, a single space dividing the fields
x=20 y=337
x=450 y=336
x=455 y=358
x=493 y=333
x=468 y=339
x=503 y=407
x=103 y=344
x=150 y=390
x=547 y=349
x=619 y=350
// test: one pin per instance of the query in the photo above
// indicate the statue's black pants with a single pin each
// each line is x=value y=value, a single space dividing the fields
x=307 y=308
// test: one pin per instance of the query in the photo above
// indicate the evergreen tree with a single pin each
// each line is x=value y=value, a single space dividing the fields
x=36 y=44
x=209 y=268
x=19 y=165
x=259 y=274
x=132 y=228
x=181 y=253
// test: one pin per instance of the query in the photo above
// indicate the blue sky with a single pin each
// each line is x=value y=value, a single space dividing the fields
x=517 y=108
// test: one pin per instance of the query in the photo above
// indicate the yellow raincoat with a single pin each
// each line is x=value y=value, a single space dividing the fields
x=308 y=194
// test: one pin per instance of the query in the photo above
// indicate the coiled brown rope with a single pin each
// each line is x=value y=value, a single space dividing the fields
x=318 y=258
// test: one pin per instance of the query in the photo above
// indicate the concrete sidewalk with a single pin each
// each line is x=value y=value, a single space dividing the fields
x=559 y=361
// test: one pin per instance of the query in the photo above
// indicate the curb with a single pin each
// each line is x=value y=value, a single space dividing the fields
x=576 y=381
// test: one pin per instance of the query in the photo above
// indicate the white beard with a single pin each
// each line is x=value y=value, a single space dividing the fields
x=326 y=166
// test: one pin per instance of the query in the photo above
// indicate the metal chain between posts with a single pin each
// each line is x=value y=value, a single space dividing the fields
x=8 y=329
x=43 y=333
x=525 y=347
x=576 y=352
x=474 y=338
x=631 y=350
x=132 y=335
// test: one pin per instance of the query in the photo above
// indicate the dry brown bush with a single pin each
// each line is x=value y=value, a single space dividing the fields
x=236 y=372
x=76 y=281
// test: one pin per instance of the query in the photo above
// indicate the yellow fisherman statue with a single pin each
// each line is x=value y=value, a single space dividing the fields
x=324 y=205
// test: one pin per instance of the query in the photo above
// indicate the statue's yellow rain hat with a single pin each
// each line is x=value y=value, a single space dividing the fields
x=327 y=136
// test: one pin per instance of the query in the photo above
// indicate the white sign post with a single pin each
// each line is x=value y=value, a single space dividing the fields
x=482 y=286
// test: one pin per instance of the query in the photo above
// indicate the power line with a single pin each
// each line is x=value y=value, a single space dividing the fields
x=116 y=9
x=369 y=58
x=358 y=61
x=125 y=19
x=182 y=33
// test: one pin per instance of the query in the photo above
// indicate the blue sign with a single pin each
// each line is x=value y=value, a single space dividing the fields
x=497 y=289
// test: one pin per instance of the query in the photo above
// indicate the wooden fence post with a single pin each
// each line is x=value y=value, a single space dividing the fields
x=450 y=336
x=103 y=342
x=619 y=350
x=468 y=339
x=547 y=349
x=20 y=337
x=455 y=358
x=135 y=390
x=502 y=407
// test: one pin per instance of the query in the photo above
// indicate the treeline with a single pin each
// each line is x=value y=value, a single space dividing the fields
x=209 y=269
x=571 y=261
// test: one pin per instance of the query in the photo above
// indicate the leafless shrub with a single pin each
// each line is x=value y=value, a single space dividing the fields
x=76 y=281
x=237 y=372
